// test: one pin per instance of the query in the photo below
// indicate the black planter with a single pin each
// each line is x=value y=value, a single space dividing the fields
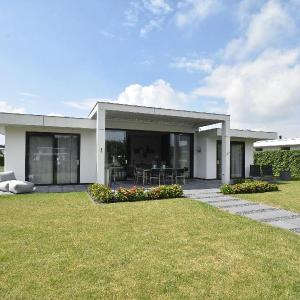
x=285 y=175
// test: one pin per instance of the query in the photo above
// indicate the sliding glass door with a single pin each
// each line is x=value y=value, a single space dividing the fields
x=237 y=159
x=180 y=151
x=52 y=158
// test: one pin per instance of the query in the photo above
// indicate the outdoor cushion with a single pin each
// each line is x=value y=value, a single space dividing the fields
x=4 y=186
x=5 y=176
x=20 y=187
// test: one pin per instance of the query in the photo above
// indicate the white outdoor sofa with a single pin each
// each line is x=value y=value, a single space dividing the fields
x=8 y=183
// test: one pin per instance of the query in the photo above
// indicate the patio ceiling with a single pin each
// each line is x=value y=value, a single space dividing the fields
x=117 y=112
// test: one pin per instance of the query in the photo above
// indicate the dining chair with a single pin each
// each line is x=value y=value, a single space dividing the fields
x=180 y=174
x=155 y=174
x=169 y=175
x=138 y=173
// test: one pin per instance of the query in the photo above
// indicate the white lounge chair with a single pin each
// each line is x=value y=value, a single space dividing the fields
x=8 y=183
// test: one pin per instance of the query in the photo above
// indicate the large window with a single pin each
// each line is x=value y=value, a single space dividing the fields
x=116 y=153
x=52 y=158
x=180 y=151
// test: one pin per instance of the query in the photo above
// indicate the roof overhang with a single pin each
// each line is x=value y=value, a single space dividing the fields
x=242 y=134
x=134 y=113
x=11 y=119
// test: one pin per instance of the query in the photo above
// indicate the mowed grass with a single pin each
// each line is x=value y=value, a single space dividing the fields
x=288 y=196
x=62 y=246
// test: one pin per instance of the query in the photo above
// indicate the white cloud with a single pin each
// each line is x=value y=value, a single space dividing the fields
x=27 y=94
x=158 y=94
x=147 y=14
x=193 y=64
x=259 y=92
x=191 y=12
x=158 y=6
x=267 y=28
x=5 y=107
x=153 y=24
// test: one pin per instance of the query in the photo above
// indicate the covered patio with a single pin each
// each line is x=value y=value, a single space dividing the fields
x=164 y=132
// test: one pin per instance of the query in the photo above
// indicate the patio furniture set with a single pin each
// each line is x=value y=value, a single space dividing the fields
x=163 y=175
x=264 y=172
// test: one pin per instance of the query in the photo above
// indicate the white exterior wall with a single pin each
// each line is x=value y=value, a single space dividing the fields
x=15 y=145
x=205 y=155
x=249 y=156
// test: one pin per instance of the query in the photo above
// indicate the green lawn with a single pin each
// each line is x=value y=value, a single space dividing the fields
x=288 y=197
x=62 y=246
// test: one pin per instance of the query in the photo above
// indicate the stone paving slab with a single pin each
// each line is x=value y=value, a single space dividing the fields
x=295 y=221
x=283 y=224
x=246 y=209
x=223 y=204
x=274 y=214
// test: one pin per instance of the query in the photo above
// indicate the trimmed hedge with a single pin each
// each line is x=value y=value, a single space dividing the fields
x=249 y=187
x=280 y=160
x=103 y=194
x=1 y=161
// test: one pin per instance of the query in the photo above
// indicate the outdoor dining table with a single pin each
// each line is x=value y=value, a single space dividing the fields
x=146 y=172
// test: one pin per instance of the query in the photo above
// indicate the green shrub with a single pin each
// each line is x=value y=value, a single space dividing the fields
x=248 y=187
x=1 y=160
x=132 y=194
x=165 y=192
x=280 y=160
x=101 y=193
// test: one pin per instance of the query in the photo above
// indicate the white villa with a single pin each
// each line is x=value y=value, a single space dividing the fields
x=65 y=150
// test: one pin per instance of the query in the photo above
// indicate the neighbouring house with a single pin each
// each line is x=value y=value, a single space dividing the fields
x=278 y=144
x=64 y=150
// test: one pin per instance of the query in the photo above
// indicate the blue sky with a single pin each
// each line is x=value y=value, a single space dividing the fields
x=236 y=57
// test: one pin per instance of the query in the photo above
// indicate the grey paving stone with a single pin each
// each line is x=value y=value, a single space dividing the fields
x=55 y=188
x=283 y=224
x=68 y=188
x=279 y=213
x=203 y=196
x=42 y=189
x=80 y=188
x=295 y=221
x=229 y=203
x=247 y=208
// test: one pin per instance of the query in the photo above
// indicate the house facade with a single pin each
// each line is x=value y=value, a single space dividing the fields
x=64 y=150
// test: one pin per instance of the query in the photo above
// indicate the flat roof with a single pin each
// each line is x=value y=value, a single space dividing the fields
x=243 y=133
x=42 y=120
x=127 y=107
x=278 y=142
x=193 y=119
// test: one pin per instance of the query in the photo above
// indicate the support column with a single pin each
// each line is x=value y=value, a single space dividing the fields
x=226 y=151
x=100 y=144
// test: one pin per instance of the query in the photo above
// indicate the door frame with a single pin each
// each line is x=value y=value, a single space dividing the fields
x=54 y=145
x=219 y=143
